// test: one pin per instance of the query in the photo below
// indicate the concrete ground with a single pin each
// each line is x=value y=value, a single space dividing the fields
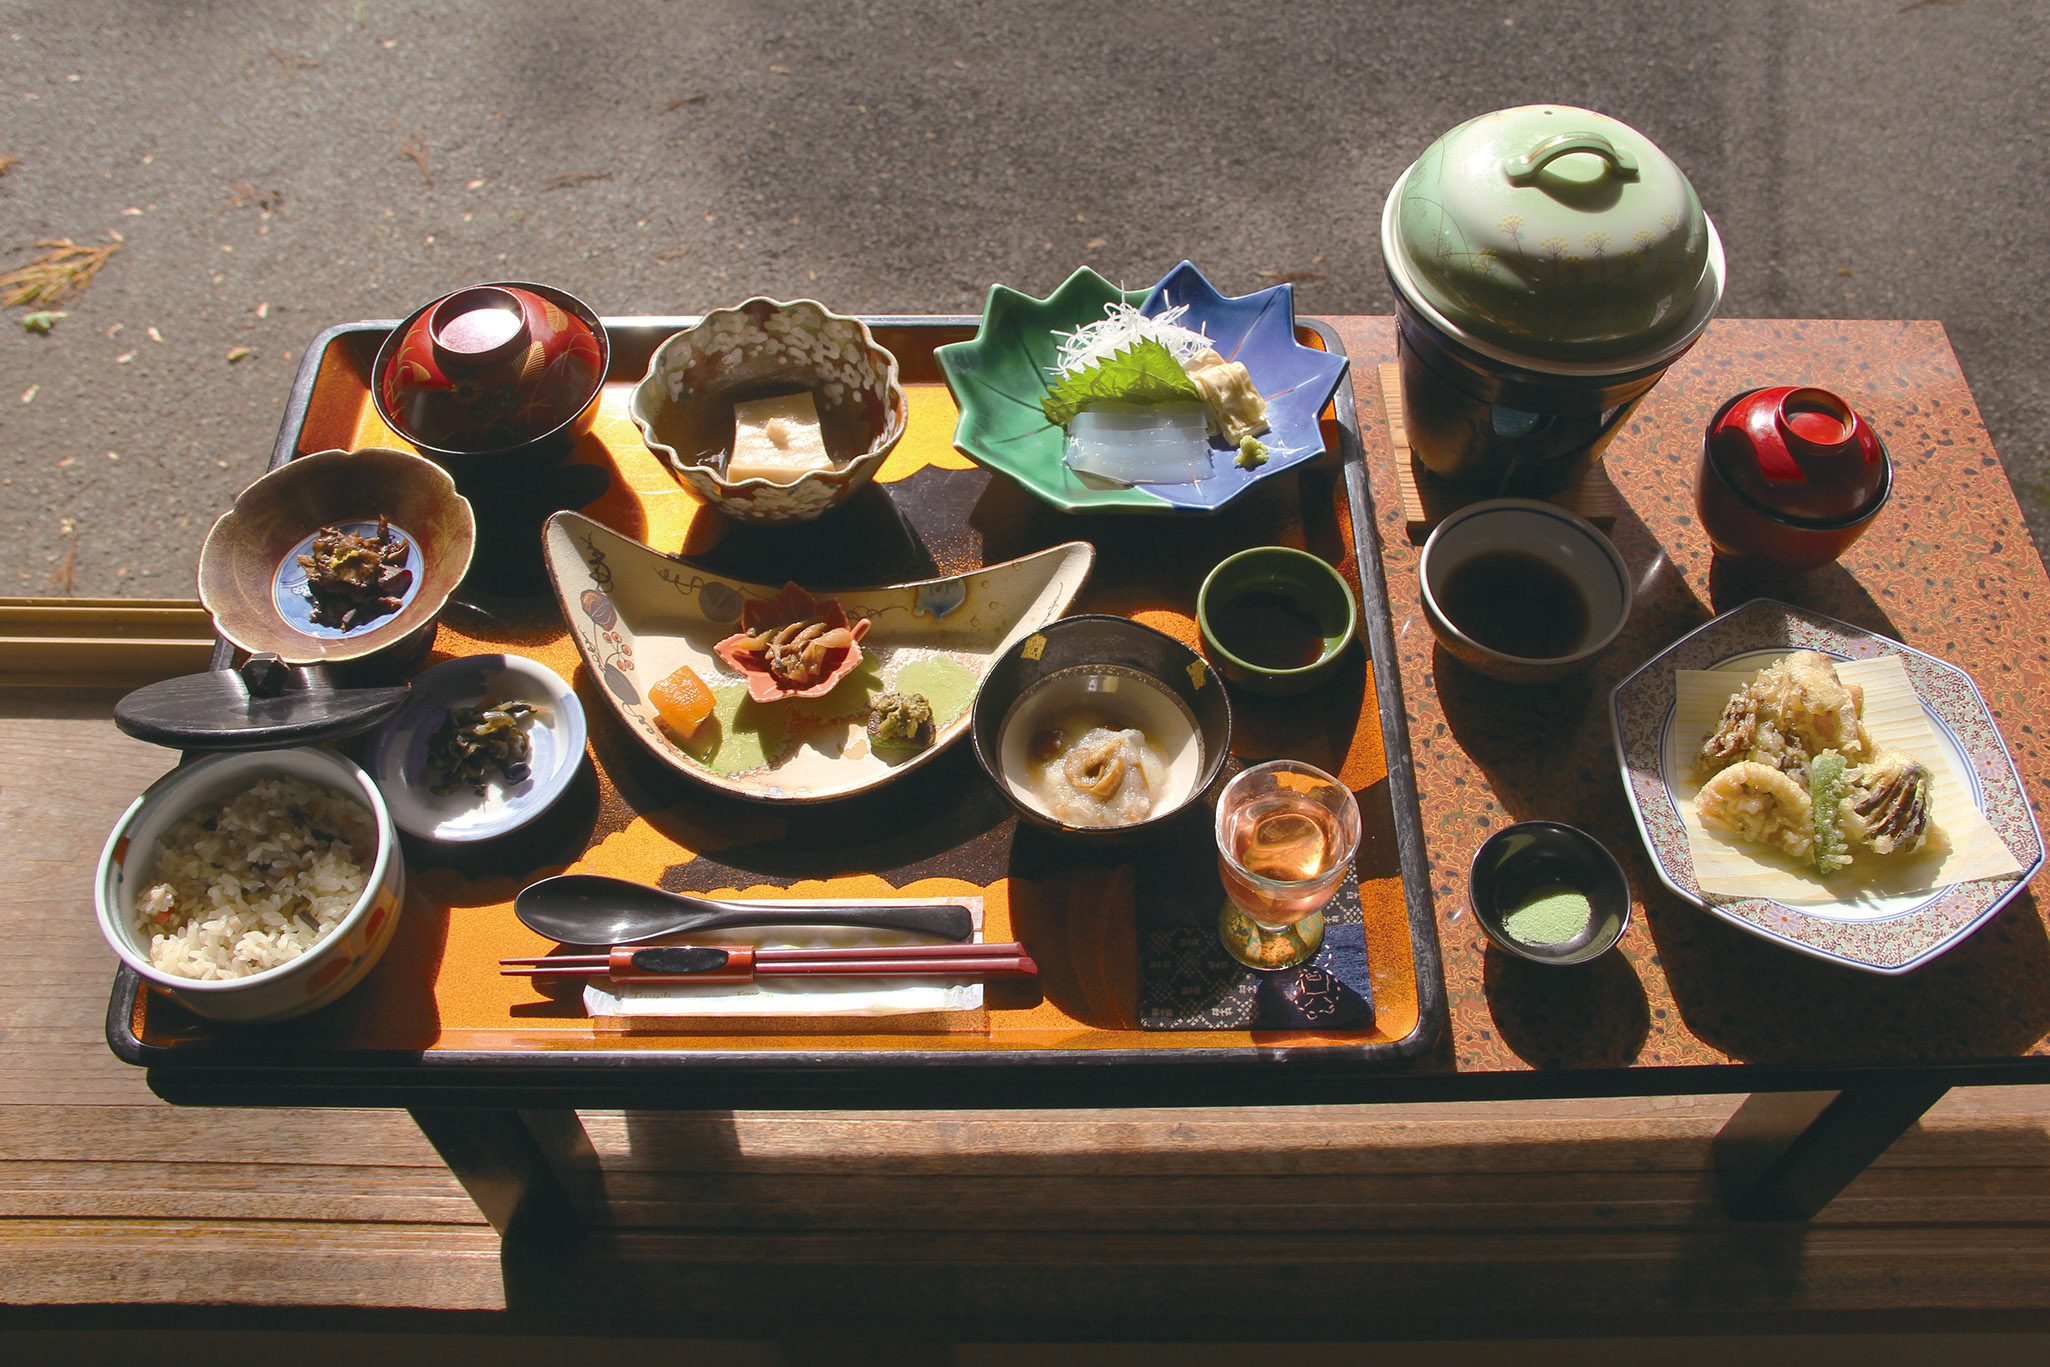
x=274 y=167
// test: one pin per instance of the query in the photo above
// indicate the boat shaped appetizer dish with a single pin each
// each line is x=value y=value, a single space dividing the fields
x=1709 y=731
x=1020 y=370
x=905 y=660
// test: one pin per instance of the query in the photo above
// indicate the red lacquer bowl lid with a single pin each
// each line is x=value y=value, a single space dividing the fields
x=1799 y=451
x=488 y=368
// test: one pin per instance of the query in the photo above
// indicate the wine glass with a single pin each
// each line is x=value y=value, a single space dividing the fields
x=1286 y=835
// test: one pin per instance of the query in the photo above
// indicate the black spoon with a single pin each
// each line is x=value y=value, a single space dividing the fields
x=586 y=909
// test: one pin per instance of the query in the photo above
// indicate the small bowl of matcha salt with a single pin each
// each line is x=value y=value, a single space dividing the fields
x=1549 y=892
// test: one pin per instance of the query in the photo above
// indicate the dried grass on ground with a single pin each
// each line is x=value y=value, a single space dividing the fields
x=63 y=269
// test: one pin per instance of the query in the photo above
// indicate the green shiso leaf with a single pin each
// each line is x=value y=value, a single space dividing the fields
x=1146 y=372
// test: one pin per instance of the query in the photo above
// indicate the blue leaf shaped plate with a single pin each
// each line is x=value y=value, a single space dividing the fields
x=999 y=377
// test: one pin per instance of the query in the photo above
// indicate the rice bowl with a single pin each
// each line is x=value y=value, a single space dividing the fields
x=254 y=881
x=253 y=886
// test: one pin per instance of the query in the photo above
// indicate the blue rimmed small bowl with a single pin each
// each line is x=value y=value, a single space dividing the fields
x=397 y=755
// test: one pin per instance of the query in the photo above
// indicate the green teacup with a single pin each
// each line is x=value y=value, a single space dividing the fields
x=1276 y=620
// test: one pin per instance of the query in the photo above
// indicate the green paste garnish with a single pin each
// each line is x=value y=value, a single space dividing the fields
x=948 y=686
x=1550 y=914
x=741 y=734
x=1252 y=454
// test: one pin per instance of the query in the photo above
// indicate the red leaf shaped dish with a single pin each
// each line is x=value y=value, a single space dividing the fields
x=793 y=646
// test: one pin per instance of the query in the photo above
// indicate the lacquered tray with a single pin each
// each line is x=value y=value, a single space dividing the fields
x=436 y=1001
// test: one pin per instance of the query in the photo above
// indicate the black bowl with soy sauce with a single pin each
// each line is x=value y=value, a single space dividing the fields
x=1523 y=591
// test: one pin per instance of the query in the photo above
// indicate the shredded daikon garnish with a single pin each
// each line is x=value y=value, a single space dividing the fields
x=1120 y=328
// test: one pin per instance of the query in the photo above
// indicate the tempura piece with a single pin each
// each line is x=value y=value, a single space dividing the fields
x=1826 y=798
x=1791 y=765
x=1758 y=803
x=1887 y=804
x=1785 y=716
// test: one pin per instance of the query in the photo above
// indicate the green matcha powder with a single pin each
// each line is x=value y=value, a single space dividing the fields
x=1548 y=915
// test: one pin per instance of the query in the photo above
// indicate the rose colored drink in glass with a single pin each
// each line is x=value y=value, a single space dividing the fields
x=1286 y=835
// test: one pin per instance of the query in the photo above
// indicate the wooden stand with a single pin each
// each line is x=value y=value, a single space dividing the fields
x=1426 y=498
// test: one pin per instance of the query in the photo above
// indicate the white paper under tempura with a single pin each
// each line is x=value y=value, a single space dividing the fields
x=1893 y=716
x=799 y=996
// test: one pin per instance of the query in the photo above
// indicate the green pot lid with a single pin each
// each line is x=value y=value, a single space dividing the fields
x=1549 y=234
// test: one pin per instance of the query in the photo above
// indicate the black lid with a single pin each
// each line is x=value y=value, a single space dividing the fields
x=265 y=705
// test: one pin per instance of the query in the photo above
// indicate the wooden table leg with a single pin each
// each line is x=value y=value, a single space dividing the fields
x=530 y=1172
x=1785 y=1155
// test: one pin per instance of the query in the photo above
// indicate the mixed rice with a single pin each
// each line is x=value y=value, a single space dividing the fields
x=240 y=886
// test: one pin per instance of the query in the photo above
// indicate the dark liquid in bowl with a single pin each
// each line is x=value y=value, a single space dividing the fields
x=1517 y=604
x=1268 y=630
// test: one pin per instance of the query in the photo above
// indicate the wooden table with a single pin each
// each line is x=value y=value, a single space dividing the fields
x=1839 y=1063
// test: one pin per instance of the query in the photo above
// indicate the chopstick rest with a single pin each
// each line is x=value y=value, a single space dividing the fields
x=628 y=964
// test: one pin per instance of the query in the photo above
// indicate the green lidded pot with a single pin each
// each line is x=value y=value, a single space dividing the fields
x=1556 y=239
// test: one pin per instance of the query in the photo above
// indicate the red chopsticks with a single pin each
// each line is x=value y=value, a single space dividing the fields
x=740 y=964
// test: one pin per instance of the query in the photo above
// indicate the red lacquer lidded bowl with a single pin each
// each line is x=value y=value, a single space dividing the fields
x=493 y=370
x=1790 y=476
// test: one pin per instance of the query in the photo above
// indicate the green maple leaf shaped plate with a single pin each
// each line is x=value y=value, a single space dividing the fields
x=1001 y=376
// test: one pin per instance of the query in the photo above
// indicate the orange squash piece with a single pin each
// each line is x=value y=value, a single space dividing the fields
x=682 y=701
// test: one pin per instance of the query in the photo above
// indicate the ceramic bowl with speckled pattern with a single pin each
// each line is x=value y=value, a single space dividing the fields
x=764 y=349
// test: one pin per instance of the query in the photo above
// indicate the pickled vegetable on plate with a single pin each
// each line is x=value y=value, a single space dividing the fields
x=473 y=741
x=355 y=579
x=682 y=701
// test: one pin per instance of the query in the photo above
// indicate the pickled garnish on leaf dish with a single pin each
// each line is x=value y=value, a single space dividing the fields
x=793 y=646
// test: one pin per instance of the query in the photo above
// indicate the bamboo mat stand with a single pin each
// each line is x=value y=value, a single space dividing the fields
x=1427 y=498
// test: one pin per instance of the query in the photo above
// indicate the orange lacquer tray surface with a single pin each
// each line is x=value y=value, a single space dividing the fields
x=932 y=511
